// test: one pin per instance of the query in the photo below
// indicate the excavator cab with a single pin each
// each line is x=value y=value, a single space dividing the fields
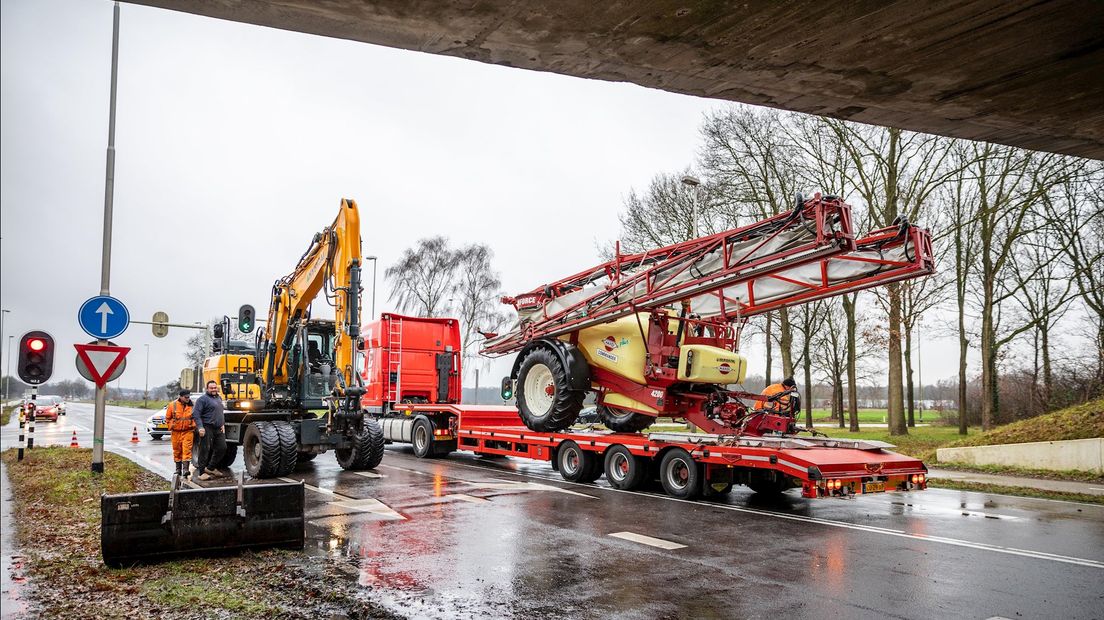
x=320 y=371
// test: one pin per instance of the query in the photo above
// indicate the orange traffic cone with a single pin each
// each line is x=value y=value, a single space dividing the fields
x=73 y=442
x=134 y=437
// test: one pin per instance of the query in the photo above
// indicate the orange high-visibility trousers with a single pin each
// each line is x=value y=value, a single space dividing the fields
x=182 y=445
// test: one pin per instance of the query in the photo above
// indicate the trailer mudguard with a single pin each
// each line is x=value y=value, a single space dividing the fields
x=578 y=372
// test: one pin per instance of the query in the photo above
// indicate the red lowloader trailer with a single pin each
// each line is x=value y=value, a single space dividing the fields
x=688 y=465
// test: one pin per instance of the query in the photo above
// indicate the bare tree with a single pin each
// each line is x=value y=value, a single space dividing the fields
x=665 y=213
x=476 y=292
x=423 y=278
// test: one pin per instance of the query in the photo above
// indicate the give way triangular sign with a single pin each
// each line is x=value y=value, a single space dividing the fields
x=101 y=359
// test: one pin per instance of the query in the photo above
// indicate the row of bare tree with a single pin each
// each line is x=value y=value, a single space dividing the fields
x=1019 y=239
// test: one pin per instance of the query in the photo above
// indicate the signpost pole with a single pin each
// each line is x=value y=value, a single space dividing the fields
x=105 y=264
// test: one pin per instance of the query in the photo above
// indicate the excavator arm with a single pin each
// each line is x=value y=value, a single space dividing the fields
x=330 y=266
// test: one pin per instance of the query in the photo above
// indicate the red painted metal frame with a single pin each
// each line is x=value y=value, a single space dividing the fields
x=831 y=218
x=499 y=430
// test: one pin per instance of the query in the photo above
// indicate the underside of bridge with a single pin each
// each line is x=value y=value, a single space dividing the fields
x=1028 y=73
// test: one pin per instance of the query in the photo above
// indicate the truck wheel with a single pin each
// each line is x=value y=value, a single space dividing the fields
x=367 y=450
x=261 y=448
x=289 y=447
x=228 y=456
x=622 y=421
x=545 y=401
x=767 y=482
x=422 y=439
x=680 y=475
x=576 y=464
x=624 y=470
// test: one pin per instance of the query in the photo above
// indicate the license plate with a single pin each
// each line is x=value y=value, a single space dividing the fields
x=873 y=487
x=161 y=427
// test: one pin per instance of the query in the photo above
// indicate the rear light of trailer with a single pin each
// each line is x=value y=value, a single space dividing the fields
x=918 y=478
x=834 y=485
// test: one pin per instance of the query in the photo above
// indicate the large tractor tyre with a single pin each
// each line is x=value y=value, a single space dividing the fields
x=367 y=449
x=767 y=482
x=289 y=447
x=680 y=475
x=576 y=464
x=622 y=421
x=228 y=457
x=422 y=439
x=545 y=400
x=624 y=470
x=261 y=449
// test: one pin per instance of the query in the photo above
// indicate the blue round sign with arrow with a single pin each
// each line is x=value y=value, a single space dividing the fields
x=103 y=317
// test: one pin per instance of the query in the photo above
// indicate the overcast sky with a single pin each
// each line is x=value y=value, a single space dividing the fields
x=235 y=144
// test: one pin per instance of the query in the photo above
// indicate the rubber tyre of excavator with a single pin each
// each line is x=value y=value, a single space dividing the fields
x=261 y=448
x=622 y=421
x=542 y=370
x=367 y=449
x=289 y=447
x=228 y=457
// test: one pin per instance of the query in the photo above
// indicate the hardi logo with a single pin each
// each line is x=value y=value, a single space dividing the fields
x=609 y=343
x=724 y=369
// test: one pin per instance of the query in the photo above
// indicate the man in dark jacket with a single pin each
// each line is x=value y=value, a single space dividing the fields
x=211 y=426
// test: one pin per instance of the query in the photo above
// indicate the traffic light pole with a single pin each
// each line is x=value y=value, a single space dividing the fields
x=105 y=264
x=31 y=417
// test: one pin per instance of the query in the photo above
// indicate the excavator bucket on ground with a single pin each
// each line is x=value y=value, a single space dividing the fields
x=141 y=528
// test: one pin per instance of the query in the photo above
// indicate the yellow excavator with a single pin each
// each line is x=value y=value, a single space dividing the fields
x=296 y=394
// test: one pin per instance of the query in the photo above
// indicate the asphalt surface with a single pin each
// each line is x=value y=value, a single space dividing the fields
x=468 y=536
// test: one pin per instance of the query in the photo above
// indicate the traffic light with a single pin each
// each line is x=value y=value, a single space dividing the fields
x=507 y=388
x=36 y=357
x=247 y=319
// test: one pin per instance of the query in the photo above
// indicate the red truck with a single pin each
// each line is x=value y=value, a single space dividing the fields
x=411 y=370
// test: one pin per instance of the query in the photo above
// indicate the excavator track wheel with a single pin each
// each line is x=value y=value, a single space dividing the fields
x=262 y=450
x=367 y=449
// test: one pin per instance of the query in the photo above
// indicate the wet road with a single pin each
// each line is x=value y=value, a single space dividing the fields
x=471 y=537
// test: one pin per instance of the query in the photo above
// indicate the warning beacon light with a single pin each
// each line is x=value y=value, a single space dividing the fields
x=36 y=357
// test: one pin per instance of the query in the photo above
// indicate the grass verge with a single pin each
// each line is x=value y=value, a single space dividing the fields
x=959 y=485
x=1008 y=470
x=921 y=441
x=6 y=415
x=57 y=515
x=140 y=404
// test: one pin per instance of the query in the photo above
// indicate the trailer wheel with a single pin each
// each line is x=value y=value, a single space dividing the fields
x=624 y=470
x=545 y=401
x=623 y=421
x=680 y=475
x=422 y=439
x=261 y=448
x=576 y=464
x=289 y=447
x=367 y=450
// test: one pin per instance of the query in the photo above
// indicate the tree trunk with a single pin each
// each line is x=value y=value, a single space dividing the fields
x=896 y=408
x=852 y=389
x=910 y=388
x=1048 y=376
x=770 y=351
x=837 y=396
x=988 y=363
x=808 y=364
x=786 y=343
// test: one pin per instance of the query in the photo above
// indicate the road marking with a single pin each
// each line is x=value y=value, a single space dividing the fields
x=413 y=471
x=370 y=504
x=369 y=474
x=320 y=490
x=843 y=525
x=468 y=498
x=648 y=540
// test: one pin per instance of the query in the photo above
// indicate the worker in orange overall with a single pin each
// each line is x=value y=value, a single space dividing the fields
x=783 y=404
x=178 y=417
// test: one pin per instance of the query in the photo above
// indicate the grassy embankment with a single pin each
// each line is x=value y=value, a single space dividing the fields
x=57 y=514
x=139 y=404
x=6 y=415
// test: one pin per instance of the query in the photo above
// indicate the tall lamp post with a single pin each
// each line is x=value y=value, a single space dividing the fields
x=695 y=183
x=2 y=313
x=372 y=313
x=145 y=402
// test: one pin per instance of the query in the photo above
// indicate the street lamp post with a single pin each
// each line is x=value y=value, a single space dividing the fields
x=145 y=404
x=693 y=182
x=2 y=313
x=372 y=313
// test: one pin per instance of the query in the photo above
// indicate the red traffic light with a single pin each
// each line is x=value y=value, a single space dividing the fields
x=36 y=357
x=36 y=344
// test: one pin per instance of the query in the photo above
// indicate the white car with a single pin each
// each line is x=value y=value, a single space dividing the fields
x=156 y=426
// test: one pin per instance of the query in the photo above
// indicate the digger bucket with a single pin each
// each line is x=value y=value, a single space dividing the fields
x=150 y=527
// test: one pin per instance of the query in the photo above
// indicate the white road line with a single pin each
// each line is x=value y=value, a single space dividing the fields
x=340 y=497
x=648 y=540
x=369 y=474
x=370 y=504
x=413 y=471
x=840 y=524
x=468 y=498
